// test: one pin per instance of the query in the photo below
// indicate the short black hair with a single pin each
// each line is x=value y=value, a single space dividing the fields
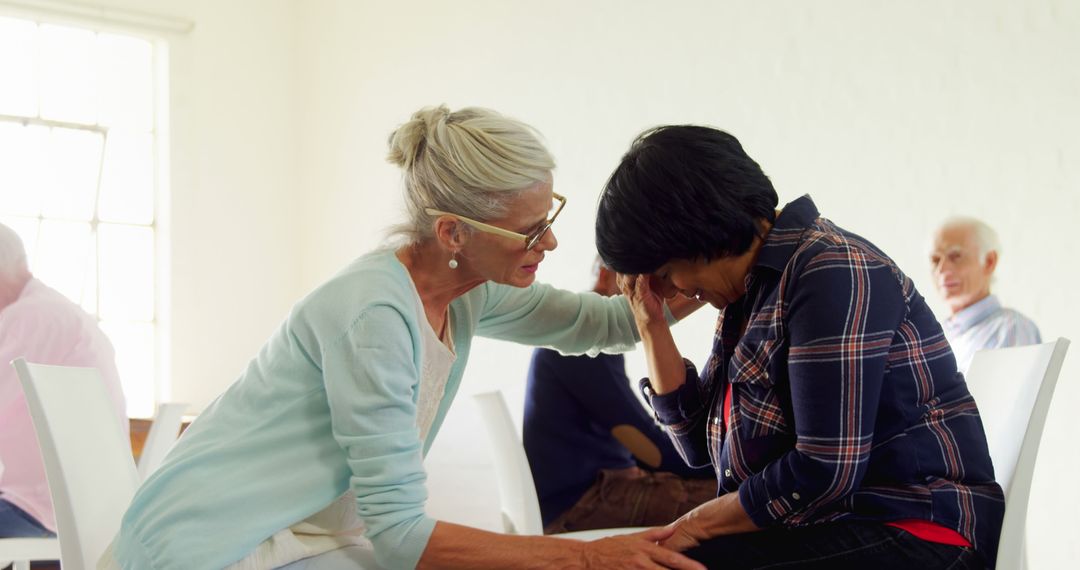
x=681 y=192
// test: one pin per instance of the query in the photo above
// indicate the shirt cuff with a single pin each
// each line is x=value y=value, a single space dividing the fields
x=681 y=405
x=764 y=508
x=403 y=550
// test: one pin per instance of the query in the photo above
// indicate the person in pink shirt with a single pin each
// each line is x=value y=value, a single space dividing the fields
x=40 y=324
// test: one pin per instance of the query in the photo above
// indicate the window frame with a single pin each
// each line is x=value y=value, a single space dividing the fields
x=158 y=224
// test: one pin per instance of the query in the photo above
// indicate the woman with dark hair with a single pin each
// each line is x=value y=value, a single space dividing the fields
x=830 y=407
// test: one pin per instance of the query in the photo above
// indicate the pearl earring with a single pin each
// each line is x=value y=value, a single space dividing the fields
x=453 y=262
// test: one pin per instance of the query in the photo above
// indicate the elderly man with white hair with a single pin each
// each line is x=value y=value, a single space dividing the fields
x=41 y=325
x=963 y=259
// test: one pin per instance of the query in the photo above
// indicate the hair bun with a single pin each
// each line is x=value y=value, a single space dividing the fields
x=410 y=139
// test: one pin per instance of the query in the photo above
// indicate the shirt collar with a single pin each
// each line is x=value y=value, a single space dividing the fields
x=973 y=314
x=785 y=234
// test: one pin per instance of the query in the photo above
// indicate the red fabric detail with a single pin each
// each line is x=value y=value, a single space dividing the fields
x=727 y=407
x=931 y=532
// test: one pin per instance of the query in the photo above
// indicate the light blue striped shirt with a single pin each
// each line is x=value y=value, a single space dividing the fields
x=986 y=324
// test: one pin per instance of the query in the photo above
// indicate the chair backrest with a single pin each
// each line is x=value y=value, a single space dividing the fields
x=517 y=493
x=1013 y=388
x=87 y=457
x=162 y=435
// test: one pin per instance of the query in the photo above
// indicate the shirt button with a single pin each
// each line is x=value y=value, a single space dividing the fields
x=796 y=496
x=727 y=472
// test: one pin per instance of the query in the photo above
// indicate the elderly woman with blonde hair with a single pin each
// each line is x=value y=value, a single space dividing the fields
x=313 y=457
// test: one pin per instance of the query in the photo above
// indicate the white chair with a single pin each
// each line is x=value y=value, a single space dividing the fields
x=162 y=435
x=23 y=551
x=1013 y=388
x=517 y=491
x=88 y=463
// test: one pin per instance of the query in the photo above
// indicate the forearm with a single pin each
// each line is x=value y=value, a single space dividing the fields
x=667 y=372
x=682 y=307
x=684 y=412
x=454 y=546
x=722 y=515
x=729 y=517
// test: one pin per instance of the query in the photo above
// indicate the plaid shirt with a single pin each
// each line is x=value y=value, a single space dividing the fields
x=845 y=399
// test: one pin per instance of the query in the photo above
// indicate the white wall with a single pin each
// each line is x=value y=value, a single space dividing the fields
x=891 y=115
x=234 y=240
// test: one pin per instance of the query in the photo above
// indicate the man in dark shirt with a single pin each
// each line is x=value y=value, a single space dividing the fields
x=598 y=459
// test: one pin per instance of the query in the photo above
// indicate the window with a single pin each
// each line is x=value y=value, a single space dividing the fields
x=78 y=180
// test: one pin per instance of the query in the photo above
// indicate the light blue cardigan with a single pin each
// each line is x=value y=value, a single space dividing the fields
x=329 y=404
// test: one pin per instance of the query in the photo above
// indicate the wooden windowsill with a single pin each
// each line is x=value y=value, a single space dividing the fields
x=140 y=427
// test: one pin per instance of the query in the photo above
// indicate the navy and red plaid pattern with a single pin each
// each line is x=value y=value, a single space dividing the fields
x=845 y=398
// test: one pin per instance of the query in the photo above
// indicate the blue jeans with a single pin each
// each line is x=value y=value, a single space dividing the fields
x=15 y=523
x=833 y=546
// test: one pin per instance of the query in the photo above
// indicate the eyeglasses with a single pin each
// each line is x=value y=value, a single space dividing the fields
x=530 y=239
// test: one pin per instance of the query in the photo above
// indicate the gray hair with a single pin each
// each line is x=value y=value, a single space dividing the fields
x=469 y=162
x=985 y=236
x=12 y=254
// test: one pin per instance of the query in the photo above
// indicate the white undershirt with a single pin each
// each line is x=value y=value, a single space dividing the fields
x=338 y=525
x=439 y=357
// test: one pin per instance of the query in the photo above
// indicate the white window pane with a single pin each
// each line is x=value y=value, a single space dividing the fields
x=127 y=183
x=66 y=71
x=134 y=344
x=127 y=272
x=63 y=255
x=18 y=58
x=125 y=82
x=27 y=230
x=74 y=158
x=22 y=168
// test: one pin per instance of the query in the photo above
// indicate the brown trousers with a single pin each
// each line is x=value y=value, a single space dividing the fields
x=633 y=497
